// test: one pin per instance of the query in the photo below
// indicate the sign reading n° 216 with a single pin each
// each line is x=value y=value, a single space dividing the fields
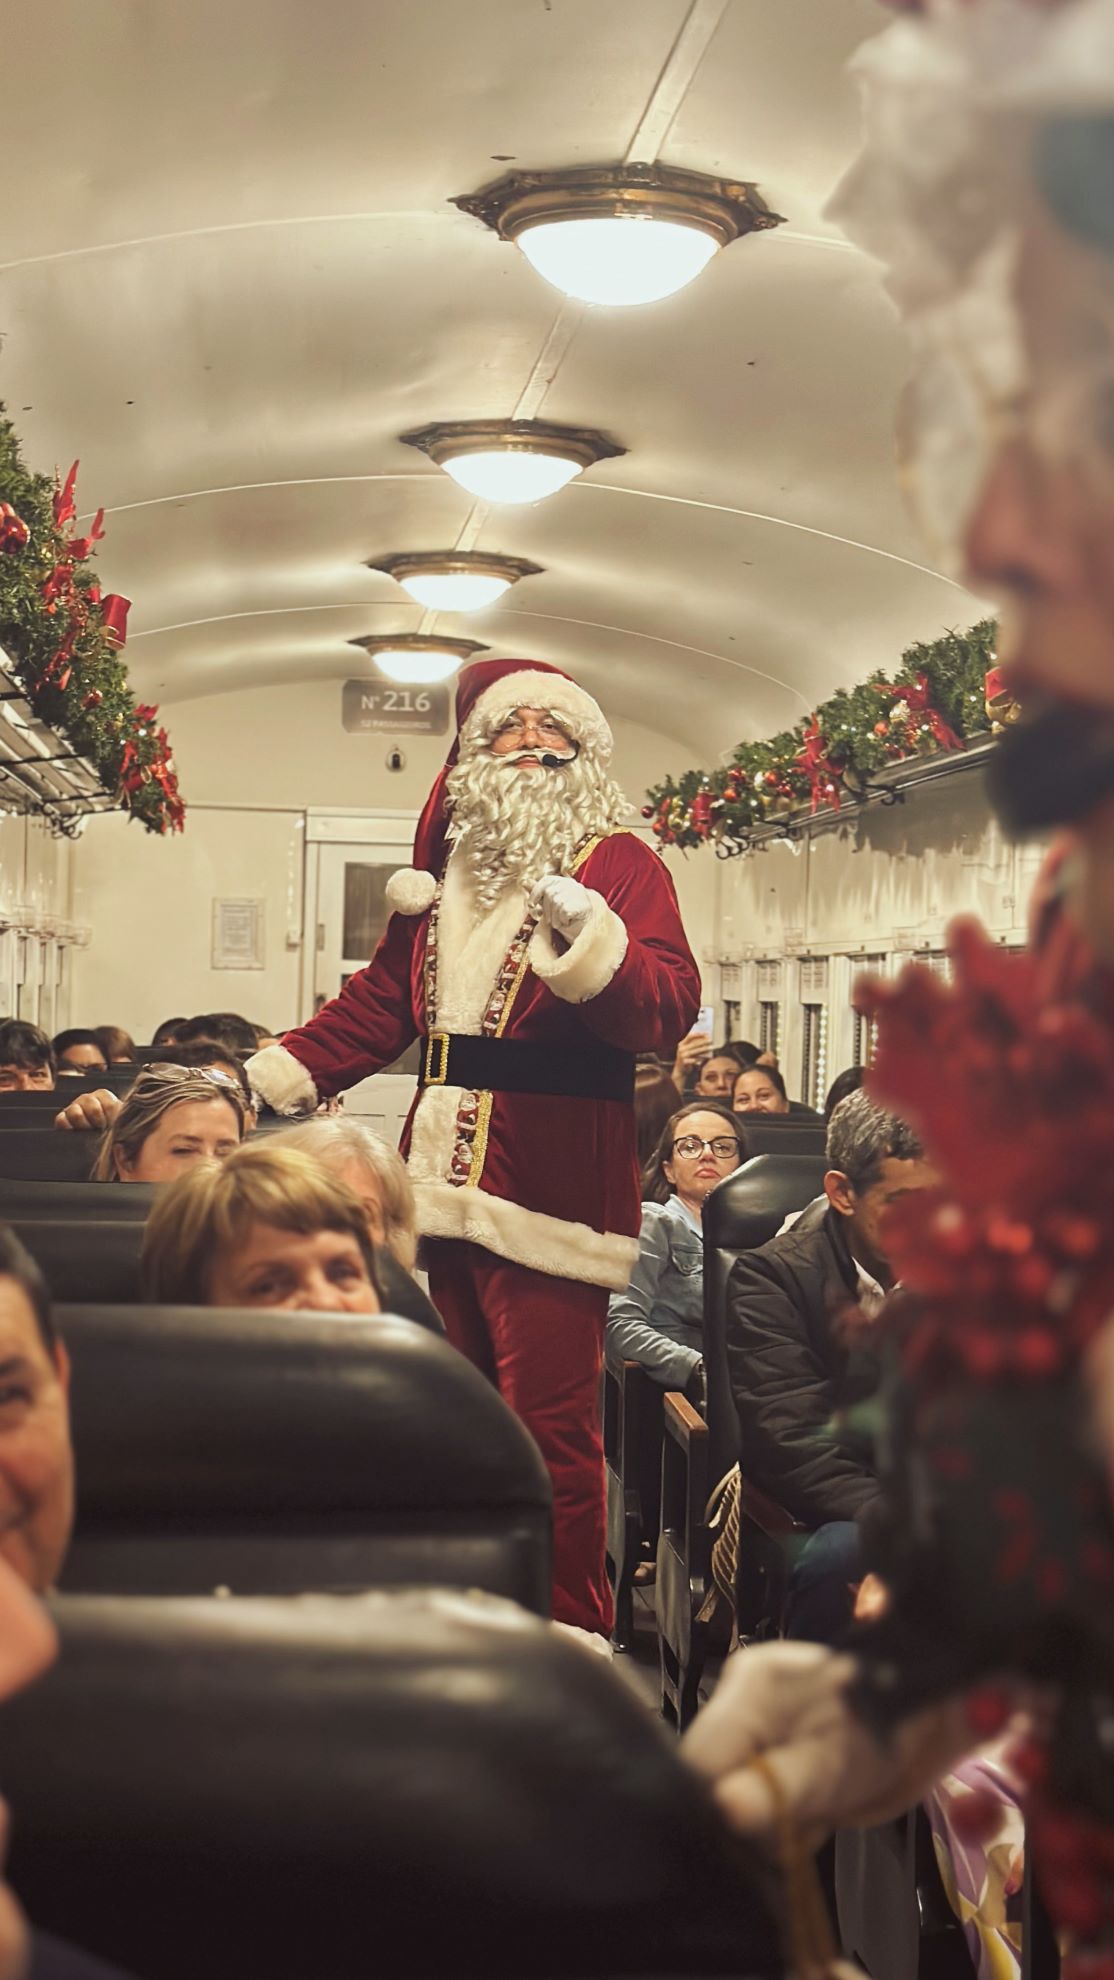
x=392 y=710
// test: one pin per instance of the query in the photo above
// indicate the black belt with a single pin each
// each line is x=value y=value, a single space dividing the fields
x=588 y=1071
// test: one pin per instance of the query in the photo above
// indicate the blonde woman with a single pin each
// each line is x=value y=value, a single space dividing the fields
x=267 y=1227
x=171 y=1119
x=371 y=1169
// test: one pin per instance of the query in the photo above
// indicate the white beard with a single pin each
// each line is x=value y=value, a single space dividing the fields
x=513 y=825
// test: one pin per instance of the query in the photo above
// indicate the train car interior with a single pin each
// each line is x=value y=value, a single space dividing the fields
x=488 y=721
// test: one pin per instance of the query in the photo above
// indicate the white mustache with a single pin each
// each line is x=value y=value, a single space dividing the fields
x=537 y=755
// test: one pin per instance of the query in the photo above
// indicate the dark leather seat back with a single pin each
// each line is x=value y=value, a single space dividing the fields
x=75 y=1202
x=744 y=1211
x=40 y=1152
x=116 y=1078
x=278 y=1452
x=782 y=1134
x=414 y=1786
x=83 y=1259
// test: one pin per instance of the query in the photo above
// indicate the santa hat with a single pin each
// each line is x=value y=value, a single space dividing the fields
x=486 y=692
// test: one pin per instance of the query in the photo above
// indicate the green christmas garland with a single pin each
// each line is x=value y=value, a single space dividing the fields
x=937 y=700
x=63 y=638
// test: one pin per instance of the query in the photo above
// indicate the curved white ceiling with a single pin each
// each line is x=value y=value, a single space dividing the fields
x=231 y=277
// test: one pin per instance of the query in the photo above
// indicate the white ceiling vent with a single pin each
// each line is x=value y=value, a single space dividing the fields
x=814 y=981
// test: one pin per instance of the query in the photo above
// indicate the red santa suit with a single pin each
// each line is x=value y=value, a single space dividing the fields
x=521 y=1140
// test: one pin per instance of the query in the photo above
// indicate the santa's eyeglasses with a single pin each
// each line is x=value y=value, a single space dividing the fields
x=542 y=726
x=694 y=1144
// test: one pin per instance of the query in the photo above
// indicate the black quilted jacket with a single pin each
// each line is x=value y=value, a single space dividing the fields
x=790 y=1372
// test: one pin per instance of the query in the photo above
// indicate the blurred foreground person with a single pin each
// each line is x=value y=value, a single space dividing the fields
x=986 y=189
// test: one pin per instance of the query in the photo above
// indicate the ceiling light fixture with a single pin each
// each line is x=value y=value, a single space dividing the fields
x=512 y=460
x=619 y=234
x=454 y=580
x=418 y=658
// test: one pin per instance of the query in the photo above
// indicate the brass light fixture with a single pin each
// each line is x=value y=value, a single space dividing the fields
x=454 y=580
x=512 y=460
x=619 y=234
x=418 y=657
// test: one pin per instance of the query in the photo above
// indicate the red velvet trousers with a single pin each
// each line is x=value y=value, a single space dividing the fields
x=540 y=1340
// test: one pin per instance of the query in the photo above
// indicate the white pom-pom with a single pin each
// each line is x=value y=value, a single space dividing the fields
x=410 y=890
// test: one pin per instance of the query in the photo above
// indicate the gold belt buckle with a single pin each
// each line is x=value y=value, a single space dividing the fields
x=440 y=1041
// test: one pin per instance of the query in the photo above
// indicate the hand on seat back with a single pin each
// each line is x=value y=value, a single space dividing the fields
x=90 y=1110
x=564 y=903
x=786 y=1703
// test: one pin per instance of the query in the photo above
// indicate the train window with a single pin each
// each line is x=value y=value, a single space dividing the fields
x=814 y=1032
x=864 y=1031
x=769 y=1006
x=814 y=1056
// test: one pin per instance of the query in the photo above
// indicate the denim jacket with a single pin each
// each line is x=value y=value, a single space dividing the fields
x=659 y=1319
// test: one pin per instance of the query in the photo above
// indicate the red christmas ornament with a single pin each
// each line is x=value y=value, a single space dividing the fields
x=881 y=728
x=93 y=699
x=114 y=612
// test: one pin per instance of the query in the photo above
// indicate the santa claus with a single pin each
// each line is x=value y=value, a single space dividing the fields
x=534 y=949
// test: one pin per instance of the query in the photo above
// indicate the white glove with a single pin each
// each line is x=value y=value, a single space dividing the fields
x=787 y=1703
x=564 y=903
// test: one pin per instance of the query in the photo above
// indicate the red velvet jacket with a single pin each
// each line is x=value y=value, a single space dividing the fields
x=549 y=1182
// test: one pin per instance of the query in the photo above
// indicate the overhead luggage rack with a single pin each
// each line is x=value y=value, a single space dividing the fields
x=39 y=773
x=886 y=787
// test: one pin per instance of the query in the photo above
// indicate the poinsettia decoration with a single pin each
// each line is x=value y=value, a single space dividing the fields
x=63 y=637
x=936 y=701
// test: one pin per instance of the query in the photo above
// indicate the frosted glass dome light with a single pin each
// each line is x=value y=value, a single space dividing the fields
x=455 y=591
x=512 y=460
x=417 y=659
x=454 y=580
x=619 y=234
x=413 y=668
x=614 y=261
x=512 y=475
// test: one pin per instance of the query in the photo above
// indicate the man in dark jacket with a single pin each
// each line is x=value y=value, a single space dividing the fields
x=791 y=1368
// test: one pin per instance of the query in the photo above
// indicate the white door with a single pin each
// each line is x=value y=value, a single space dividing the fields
x=350 y=860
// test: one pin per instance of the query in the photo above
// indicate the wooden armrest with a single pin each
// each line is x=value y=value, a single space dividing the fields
x=767 y=1514
x=682 y=1422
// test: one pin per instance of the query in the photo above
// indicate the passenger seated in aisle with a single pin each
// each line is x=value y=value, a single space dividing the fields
x=225 y=1028
x=762 y=1090
x=790 y=1370
x=79 y=1052
x=36 y=1456
x=171 y=1119
x=268 y=1227
x=117 y=1044
x=659 y=1319
x=848 y=1081
x=26 y=1058
x=97 y=1108
x=378 y=1177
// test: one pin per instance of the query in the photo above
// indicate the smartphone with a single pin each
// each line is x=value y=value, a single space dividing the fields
x=705 y=1021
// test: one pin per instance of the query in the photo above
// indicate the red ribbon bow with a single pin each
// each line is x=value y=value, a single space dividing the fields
x=918 y=701
x=814 y=761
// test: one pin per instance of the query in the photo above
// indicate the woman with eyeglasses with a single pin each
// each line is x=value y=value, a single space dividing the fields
x=659 y=1319
x=171 y=1119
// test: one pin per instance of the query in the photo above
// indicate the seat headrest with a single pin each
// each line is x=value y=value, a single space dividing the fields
x=44 y=1153
x=413 y=1784
x=75 y=1202
x=83 y=1259
x=749 y=1206
x=782 y=1134
x=221 y=1412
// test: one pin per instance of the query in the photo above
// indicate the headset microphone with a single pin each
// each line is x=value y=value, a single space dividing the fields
x=551 y=762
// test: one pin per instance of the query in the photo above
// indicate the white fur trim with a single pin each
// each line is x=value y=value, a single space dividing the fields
x=411 y=890
x=587 y=966
x=281 y=1081
x=470 y=948
x=530 y=689
x=527 y=1237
